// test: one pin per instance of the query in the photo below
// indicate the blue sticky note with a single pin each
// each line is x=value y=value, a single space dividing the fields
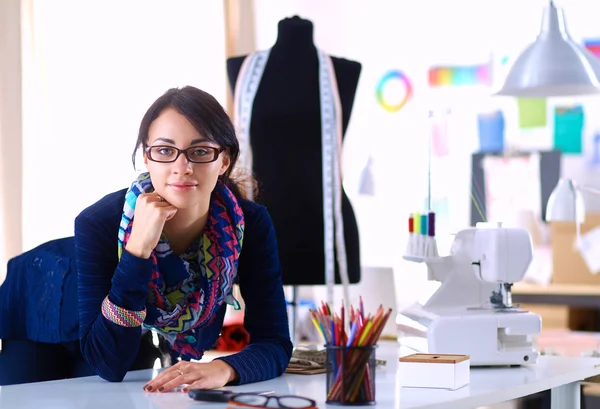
x=568 y=129
x=490 y=127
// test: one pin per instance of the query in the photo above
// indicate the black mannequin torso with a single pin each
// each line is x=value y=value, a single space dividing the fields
x=286 y=148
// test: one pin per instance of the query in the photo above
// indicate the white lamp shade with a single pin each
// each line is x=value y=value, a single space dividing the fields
x=565 y=203
x=554 y=65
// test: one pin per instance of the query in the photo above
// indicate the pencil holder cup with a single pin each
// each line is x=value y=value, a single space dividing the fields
x=350 y=375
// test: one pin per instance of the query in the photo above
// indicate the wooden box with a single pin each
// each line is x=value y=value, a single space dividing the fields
x=444 y=371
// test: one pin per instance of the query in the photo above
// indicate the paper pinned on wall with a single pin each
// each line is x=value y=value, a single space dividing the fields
x=589 y=246
x=490 y=127
x=568 y=129
x=438 y=122
x=512 y=188
x=532 y=112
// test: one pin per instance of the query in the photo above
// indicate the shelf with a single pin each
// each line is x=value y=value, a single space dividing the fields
x=556 y=289
x=572 y=295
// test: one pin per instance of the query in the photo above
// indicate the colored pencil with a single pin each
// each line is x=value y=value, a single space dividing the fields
x=350 y=349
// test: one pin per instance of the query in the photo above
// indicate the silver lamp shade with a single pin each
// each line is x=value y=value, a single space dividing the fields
x=554 y=65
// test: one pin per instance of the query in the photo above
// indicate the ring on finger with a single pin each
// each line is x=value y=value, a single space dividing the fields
x=180 y=371
x=160 y=198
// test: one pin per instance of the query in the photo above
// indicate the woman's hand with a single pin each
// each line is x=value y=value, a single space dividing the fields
x=151 y=213
x=209 y=375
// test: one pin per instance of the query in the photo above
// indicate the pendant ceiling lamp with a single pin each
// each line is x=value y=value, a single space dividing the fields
x=554 y=65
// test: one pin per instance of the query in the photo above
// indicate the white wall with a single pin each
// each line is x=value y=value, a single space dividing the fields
x=10 y=132
x=98 y=65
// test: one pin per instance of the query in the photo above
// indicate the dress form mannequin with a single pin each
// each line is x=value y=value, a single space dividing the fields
x=286 y=148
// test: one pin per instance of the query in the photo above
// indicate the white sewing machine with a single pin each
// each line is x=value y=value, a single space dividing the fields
x=472 y=311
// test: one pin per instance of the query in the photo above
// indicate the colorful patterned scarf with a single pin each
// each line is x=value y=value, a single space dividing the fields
x=186 y=292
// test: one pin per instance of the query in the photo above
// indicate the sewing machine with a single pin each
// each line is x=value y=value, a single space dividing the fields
x=472 y=311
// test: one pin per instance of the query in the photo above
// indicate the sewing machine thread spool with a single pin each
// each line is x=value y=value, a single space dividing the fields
x=431 y=245
x=431 y=224
x=421 y=236
x=417 y=236
x=411 y=235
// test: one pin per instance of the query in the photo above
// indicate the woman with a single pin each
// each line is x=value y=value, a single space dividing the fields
x=163 y=255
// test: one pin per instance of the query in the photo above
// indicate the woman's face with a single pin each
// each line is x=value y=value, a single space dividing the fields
x=182 y=183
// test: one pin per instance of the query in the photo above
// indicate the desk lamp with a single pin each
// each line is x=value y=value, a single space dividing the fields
x=566 y=203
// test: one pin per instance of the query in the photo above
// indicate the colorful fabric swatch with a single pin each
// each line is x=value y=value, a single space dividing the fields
x=459 y=76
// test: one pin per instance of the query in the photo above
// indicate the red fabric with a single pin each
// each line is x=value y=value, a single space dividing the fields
x=233 y=338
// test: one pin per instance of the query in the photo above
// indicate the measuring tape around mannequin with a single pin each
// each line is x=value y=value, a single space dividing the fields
x=246 y=87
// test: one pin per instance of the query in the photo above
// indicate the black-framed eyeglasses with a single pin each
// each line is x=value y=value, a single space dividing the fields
x=274 y=401
x=265 y=399
x=194 y=154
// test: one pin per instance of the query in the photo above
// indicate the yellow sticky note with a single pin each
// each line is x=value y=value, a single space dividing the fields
x=532 y=112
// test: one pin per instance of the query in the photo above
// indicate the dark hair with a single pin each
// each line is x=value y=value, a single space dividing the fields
x=210 y=120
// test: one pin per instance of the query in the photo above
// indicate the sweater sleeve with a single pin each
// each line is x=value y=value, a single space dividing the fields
x=270 y=348
x=107 y=347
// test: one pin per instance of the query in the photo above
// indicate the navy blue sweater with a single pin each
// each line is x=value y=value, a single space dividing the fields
x=111 y=349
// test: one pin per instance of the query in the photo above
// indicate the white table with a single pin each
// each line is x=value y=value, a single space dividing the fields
x=488 y=386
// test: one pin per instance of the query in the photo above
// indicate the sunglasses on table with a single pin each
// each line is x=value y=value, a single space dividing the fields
x=253 y=400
